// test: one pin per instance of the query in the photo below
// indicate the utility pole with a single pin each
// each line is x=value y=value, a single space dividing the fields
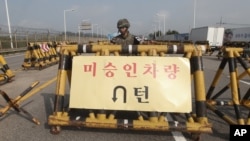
x=220 y=21
x=64 y=17
x=164 y=18
x=194 y=12
x=8 y=19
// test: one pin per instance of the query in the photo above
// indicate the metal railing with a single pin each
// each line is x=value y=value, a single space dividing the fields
x=14 y=50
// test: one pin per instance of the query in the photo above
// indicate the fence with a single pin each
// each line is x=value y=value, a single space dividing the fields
x=21 y=36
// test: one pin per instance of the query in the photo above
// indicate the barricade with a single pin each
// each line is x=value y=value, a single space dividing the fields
x=154 y=42
x=63 y=115
x=100 y=42
x=40 y=55
x=205 y=45
x=14 y=103
x=237 y=98
x=236 y=44
x=7 y=74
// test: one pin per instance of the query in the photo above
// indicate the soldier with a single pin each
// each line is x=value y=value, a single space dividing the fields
x=125 y=38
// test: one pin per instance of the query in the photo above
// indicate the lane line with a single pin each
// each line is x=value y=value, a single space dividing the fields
x=13 y=55
x=242 y=81
x=178 y=136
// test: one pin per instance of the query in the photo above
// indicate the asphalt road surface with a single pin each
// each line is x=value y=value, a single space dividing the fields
x=16 y=126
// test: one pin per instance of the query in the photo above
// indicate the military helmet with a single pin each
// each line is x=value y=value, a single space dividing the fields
x=123 y=23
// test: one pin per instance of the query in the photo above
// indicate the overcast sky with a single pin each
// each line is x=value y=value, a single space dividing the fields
x=142 y=14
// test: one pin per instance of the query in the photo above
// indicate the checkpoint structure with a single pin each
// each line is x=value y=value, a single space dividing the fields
x=101 y=96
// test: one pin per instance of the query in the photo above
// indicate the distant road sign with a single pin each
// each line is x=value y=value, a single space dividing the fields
x=85 y=26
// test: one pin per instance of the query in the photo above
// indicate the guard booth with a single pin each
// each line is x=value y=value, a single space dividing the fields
x=133 y=87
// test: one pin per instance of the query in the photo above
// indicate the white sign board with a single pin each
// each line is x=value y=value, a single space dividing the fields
x=135 y=83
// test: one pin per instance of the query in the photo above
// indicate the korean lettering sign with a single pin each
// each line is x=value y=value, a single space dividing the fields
x=131 y=83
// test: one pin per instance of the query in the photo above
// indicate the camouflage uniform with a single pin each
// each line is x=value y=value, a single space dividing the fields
x=129 y=39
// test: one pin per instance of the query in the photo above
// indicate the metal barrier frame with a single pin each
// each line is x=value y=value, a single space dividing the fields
x=7 y=74
x=14 y=103
x=231 y=55
x=35 y=58
x=193 y=124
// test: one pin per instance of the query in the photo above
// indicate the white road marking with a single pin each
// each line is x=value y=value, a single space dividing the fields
x=13 y=55
x=178 y=136
x=242 y=81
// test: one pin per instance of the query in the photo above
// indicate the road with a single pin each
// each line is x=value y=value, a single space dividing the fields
x=16 y=126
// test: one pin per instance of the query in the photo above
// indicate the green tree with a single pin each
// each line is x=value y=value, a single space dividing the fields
x=169 y=32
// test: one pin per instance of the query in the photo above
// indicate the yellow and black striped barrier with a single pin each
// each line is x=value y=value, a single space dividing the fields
x=14 y=103
x=236 y=44
x=7 y=73
x=238 y=98
x=40 y=55
x=208 y=50
x=27 y=93
x=152 y=120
